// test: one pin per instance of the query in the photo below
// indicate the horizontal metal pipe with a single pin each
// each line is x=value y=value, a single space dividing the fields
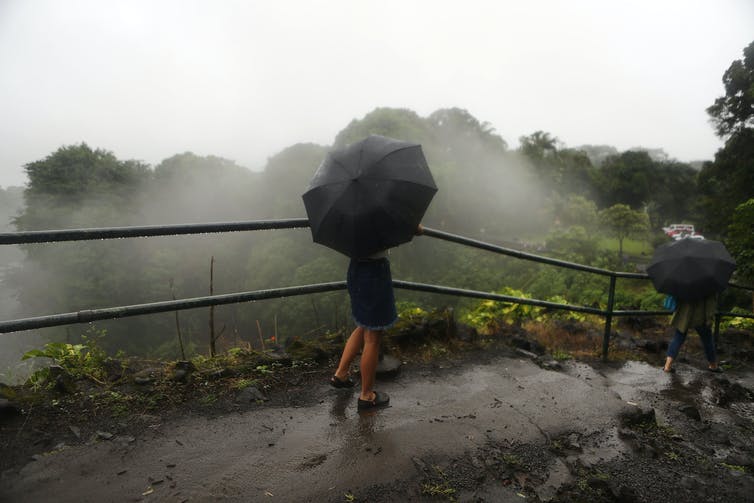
x=641 y=313
x=446 y=236
x=165 y=306
x=9 y=238
x=422 y=287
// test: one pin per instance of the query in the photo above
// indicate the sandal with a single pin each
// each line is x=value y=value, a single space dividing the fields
x=336 y=382
x=716 y=370
x=670 y=371
x=380 y=400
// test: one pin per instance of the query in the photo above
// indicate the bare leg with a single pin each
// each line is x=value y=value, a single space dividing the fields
x=668 y=363
x=369 y=358
x=353 y=346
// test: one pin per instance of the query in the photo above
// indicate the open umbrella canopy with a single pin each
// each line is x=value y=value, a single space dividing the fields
x=370 y=196
x=691 y=269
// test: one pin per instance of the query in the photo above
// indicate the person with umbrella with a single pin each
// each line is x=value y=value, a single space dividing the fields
x=693 y=272
x=373 y=308
x=363 y=200
x=698 y=314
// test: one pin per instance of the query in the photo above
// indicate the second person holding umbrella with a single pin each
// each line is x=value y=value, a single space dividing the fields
x=693 y=272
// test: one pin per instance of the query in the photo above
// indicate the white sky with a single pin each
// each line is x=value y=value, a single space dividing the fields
x=245 y=79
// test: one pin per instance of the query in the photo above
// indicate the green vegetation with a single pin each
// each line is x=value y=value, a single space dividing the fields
x=591 y=205
x=85 y=360
x=440 y=486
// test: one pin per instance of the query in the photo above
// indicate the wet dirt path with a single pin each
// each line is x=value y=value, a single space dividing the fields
x=324 y=451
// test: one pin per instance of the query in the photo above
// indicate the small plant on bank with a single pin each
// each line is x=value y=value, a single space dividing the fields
x=736 y=468
x=489 y=315
x=561 y=355
x=511 y=460
x=439 y=487
x=83 y=360
x=738 y=323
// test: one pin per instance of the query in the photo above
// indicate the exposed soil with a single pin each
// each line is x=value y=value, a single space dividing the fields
x=683 y=437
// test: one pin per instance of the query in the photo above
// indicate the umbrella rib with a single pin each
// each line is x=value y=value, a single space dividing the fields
x=413 y=145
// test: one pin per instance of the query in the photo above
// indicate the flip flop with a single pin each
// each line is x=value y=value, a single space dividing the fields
x=380 y=400
x=716 y=370
x=336 y=382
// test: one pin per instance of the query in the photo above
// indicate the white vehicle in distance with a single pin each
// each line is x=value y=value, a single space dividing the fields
x=674 y=229
x=682 y=235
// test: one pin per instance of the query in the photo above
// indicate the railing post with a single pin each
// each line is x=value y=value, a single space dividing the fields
x=608 y=317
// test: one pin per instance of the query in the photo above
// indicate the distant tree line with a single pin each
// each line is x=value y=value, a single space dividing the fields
x=542 y=192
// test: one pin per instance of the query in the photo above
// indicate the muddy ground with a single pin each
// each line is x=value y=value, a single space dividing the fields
x=492 y=422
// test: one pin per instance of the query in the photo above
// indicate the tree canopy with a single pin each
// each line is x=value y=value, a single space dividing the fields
x=735 y=111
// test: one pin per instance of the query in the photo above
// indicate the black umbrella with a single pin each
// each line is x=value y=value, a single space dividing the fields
x=369 y=196
x=691 y=269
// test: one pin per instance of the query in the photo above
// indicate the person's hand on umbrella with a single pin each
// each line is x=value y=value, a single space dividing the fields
x=419 y=230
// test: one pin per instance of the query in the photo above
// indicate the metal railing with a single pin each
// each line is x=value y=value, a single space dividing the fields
x=90 y=315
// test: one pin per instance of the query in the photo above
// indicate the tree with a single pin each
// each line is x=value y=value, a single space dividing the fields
x=598 y=153
x=626 y=179
x=563 y=171
x=621 y=221
x=741 y=240
x=74 y=176
x=399 y=123
x=735 y=111
x=727 y=182
x=578 y=210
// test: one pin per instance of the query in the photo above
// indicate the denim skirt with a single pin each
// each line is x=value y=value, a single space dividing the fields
x=371 y=289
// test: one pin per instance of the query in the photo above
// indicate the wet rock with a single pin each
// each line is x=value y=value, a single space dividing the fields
x=623 y=494
x=8 y=408
x=217 y=374
x=182 y=371
x=465 y=333
x=104 y=435
x=388 y=367
x=690 y=411
x=113 y=369
x=635 y=415
x=572 y=442
x=649 y=346
x=307 y=350
x=75 y=430
x=527 y=354
x=626 y=434
x=124 y=439
x=553 y=365
x=687 y=482
x=251 y=394
x=740 y=459
x=559 y=475
x=63 y=381
x=719 y=433
x=7 y=392
x=598 y=483
x=147 y=376
x=420 y=465
x=528 y=345
x=732 y=392
x=278 y=356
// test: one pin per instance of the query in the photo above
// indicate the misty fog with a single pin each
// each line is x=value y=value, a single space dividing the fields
x=486 y=191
